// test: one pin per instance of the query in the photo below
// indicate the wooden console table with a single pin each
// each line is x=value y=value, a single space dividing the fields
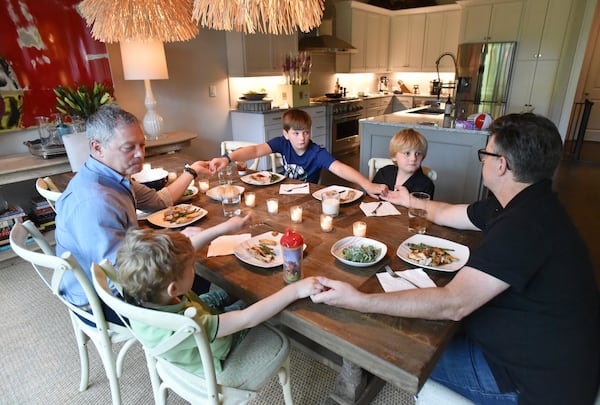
x=25 y=166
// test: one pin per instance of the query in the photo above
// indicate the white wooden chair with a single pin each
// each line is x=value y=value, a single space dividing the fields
x=377 y=163
x=263 y=353
x=46 y=188
x=434 y=393
x=51 y=269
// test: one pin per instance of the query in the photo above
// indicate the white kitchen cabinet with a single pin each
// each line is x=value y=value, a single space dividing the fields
x=442 y=30
x=367 y=28
x=407 y=33
x=373 y=107
x=495 y=21
x=538 y=55
x=258 y=54
x=261 y=127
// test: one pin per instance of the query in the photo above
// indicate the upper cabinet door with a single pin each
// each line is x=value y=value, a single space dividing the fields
x=441 y=35
x=258 y=54
x=543 y=29
x=495 y=22
x=407 y=33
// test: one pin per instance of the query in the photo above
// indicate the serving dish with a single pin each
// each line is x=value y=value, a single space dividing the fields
x=333 y=95
x=216 y=193
x=189 y=194
x=153 y=178
x=264 y=178
x=157 y=218
x=255 y=96
x=349 y=241
x=347 y=194
x=456 y=249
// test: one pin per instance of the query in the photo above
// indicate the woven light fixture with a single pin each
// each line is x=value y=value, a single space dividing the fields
x=140 y=20
x=279 y=17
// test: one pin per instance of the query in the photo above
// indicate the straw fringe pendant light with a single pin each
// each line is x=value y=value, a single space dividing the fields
x=278 y=17
x=120 y=20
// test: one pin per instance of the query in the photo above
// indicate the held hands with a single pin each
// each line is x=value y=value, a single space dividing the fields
x=376 y=190
x=217 y=164
x=336 y=293
x=398 y=196
x=307 y=287
x=201 y=167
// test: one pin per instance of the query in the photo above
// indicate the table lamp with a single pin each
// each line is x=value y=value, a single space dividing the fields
x=145 y=60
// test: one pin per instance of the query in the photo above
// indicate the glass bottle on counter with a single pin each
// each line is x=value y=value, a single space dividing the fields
x=337 y=86
x=448 y=110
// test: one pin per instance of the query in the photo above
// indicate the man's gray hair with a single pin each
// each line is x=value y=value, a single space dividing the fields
x=100 y=126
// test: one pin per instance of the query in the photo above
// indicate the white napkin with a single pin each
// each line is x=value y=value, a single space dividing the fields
x=294 y=188
x=387 y=208
x=417 y=276
x=224 y=245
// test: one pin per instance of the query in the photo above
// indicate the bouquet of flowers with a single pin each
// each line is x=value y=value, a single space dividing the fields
x=296 y=68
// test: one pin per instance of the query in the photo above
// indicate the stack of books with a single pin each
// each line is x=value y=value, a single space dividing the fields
x=8 y=218
x=42 y=214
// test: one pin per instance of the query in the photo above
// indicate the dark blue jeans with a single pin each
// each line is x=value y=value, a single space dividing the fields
x=464 y=369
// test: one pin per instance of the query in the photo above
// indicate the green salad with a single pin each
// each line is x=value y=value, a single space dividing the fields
x=361 y=254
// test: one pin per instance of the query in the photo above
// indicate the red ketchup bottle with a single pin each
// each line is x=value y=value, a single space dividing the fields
x=292 y=247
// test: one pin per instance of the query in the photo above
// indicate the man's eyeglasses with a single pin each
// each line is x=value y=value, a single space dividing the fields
x=483 y=152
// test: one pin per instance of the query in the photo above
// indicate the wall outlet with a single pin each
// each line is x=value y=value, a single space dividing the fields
x=212 y=91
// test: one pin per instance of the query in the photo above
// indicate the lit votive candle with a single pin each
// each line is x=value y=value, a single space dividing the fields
x=250 y=199
x=296 y=214
x=203 y=184
x=272 y=206
x=359 y=228
x=326 y=223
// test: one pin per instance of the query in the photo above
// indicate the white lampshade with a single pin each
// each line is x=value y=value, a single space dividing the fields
x=144 y=60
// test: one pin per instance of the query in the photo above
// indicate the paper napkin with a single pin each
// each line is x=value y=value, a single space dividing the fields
x=417 y=276
x=294 y=188
x=224 y=245
x=387 y=208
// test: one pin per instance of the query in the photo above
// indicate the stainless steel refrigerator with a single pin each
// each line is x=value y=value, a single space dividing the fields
x=484 y=71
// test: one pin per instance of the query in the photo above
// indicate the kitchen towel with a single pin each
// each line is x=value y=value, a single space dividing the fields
x=294 y=188
x=224 y=245
x=387 y=208
x=417 y=276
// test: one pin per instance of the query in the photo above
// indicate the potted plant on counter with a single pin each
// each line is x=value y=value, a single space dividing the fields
x=79 y=103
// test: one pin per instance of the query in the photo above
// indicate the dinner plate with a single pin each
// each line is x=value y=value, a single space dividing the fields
x=459 y=251
x=216 y=193
x=157 y=218
x=346 y=196
x=339 y=246
x=189 y=196
x=241 y=251
x=263 y=178
x=142 y=214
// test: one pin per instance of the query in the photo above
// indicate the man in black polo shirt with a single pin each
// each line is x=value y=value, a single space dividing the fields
x=527 y=294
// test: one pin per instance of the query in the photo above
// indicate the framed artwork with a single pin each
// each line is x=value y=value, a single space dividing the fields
x=44 y=44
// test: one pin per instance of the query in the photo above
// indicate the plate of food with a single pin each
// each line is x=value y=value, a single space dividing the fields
x=189 y=194
x=358 y=251
x=261 y=250
x=264 y=178
x=177 y=216
x=347 y=194
x=216 y=193
x=433 y=253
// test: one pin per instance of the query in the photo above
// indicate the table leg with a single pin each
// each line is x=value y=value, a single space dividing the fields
x=354 y=386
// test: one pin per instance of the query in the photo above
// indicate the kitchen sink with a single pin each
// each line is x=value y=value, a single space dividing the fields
x=430 y=111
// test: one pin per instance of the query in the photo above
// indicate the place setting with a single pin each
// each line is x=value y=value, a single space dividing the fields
x=264 y=178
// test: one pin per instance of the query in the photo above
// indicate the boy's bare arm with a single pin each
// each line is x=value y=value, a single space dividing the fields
x=241 y=155
x=348 y=173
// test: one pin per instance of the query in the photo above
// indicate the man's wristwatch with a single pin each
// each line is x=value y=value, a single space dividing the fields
x=226 y=156
x=188 y=169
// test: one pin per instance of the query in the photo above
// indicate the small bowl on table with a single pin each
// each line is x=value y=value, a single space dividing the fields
x=153 y=178
x=255 y=96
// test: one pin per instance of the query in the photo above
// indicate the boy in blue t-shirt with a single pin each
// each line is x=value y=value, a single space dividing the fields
x=302 y=158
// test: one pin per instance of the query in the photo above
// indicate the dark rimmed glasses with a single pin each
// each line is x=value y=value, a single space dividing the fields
x=483 y=152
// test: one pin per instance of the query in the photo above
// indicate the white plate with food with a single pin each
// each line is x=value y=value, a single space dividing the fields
x=358 y=251
x=141 y=215
x=433 y=253
x=261 y=250
x=177 y=216
x=189 y=194
x=263 y=178
x=347 y=194
x=216 y=193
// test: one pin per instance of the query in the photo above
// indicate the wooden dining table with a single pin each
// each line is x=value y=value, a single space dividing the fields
x=373 y=348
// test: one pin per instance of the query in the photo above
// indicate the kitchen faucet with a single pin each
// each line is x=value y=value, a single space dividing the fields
x=437 y=68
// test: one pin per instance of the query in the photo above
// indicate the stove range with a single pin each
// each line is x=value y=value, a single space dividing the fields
x=340 y=105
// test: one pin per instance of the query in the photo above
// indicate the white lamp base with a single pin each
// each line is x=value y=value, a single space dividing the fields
x=152 y=122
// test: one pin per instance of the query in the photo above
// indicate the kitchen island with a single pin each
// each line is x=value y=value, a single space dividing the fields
x=452 y=152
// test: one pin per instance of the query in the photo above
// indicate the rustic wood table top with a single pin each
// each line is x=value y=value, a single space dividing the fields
x=401 y=351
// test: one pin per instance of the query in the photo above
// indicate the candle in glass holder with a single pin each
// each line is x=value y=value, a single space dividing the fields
x=359 y=228
x=272 y=206
x=250 y=199
x=326 y=223
x=296 y=214
x=203 y=185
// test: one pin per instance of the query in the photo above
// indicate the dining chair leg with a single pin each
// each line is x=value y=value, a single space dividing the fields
x=82 y=340
x=121 y=355
x=108 y=360
x=284 y=381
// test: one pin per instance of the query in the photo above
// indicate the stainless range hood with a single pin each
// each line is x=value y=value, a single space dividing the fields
x=321 y=41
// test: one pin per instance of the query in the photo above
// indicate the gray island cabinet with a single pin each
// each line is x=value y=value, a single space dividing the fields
x=452 y=152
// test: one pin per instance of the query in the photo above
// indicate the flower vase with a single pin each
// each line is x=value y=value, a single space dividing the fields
x=295 y=95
